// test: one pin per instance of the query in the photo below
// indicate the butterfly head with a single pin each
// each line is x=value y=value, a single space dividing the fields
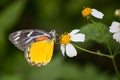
x=52 y=34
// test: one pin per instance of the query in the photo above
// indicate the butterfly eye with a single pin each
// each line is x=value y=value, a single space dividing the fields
x=52 y=32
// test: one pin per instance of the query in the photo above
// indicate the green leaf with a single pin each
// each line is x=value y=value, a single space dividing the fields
x=11 y=77
x=60 y=69
x=92 y=32
x=10 y=15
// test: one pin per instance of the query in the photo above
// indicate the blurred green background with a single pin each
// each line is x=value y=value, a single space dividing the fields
x=61 y=15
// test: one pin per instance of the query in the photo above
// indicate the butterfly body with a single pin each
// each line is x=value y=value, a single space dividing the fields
x=37 y=44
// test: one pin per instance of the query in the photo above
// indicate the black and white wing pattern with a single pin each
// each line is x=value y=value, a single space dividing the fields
x=23 y=38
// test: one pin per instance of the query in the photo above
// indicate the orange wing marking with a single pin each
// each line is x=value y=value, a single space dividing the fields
x=41 y=38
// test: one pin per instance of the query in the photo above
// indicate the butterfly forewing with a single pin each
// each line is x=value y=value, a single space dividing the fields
x=23 y=38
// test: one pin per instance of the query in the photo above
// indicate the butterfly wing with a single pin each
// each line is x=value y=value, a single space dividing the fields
x=23 y=38
x=40 y=53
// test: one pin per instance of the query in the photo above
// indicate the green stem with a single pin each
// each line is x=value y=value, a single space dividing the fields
x=101 y=30
x=92 y=52
x=112 y=55
x=116 y=51
x=101 y=54
x=115 y=67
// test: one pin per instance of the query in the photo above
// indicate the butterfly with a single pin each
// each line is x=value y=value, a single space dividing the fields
x=37 y=45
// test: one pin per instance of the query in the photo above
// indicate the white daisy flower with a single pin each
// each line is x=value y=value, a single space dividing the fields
x=65 y=40
x=115 y=28
x=88 y=11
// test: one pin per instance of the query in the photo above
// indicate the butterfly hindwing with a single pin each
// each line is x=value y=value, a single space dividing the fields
x=40 y=53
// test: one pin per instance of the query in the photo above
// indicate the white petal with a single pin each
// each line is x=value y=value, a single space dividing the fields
x=62 y=48
x=70 y=50
x=114 y=27
x=97 y=14
x=74 y=31
x=116 y=36
x=78 y=37
x=114 y=24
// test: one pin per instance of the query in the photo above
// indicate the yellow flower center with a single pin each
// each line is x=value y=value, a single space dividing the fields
x=86 y=12
x=65 y=38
